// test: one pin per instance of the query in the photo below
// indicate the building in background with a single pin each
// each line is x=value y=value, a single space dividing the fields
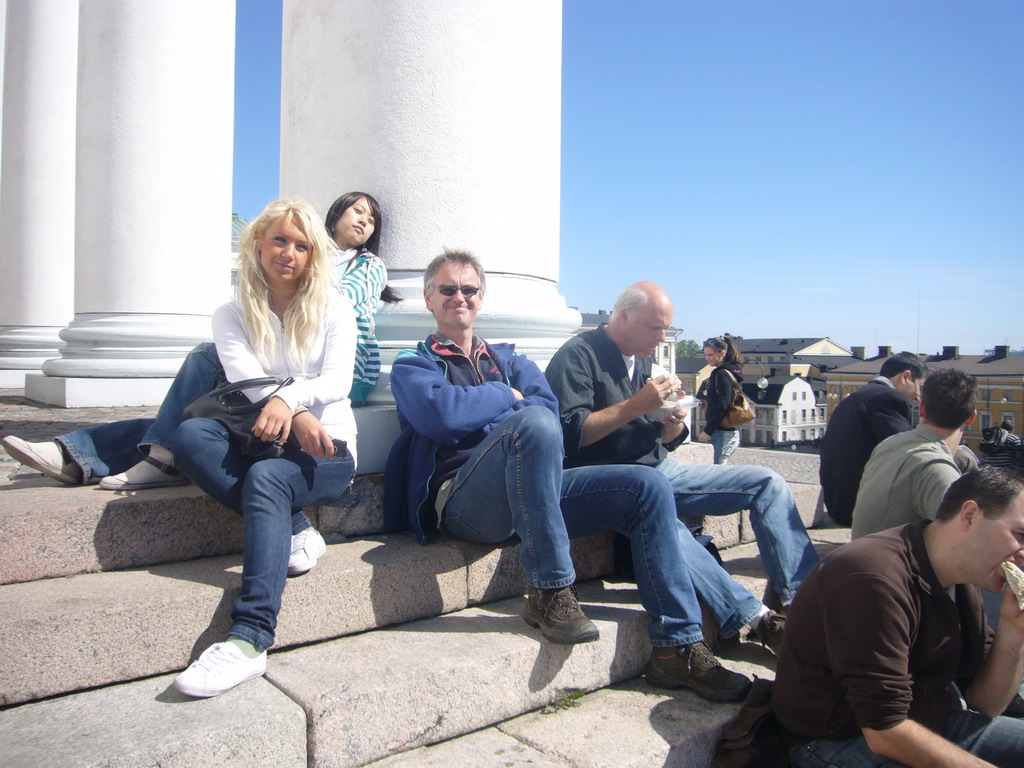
x=781 y=350
x=791 y=407
x=999 y=376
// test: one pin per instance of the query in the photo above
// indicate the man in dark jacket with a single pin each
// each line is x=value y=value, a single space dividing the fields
x=879 y=409
x=480 y=458
x=885 y=625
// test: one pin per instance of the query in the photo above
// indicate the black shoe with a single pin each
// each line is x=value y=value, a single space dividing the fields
x=693 y=666
x=557 y=613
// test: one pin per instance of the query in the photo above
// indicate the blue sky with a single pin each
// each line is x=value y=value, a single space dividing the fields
x=782 y=168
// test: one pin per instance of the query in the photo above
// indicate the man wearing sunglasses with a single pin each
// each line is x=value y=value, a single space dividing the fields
x=480 y=458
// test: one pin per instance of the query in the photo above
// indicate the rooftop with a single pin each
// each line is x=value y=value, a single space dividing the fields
x=784 y=346
x=999 y=364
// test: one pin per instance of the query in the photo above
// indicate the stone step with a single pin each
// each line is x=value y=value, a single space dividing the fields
x=443 y=677
x=148 y=723
x=627 y=725
x=380 y=693
x=63 y=531
x=386 y=695
x=59 y=530
x=66 y=634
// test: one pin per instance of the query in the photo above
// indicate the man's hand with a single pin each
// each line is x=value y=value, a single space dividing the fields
x=654 y=393
x=312 y=435
x=1000 y=675
x=516 y=393
x=910 y=743
x=703 y=437
x=275 y=422
x=1010 y=613
x=600 y=424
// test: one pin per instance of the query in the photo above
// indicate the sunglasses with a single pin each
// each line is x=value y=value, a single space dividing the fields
x=468 y=291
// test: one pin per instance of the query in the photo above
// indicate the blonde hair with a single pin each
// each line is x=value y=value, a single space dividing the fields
x=303 y=319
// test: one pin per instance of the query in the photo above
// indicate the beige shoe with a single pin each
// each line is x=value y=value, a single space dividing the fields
x=148 y=473
x=47 y=458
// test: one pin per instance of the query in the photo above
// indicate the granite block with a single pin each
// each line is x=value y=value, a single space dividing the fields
x=442 y=677
x=63 y=635
x=61 y=531
x=495 y=572
x=148 y=723
x=484 y=749
x=628 y=726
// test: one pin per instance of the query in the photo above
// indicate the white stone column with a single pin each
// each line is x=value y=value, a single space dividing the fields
x=153 y=213
x=450 y=113
x=37 y=183
x=3 y=40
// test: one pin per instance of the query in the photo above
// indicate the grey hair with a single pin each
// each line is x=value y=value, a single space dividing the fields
x=449 y=256
x=630 y=300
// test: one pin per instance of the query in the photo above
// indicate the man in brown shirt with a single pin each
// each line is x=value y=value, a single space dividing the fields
x=883 y=627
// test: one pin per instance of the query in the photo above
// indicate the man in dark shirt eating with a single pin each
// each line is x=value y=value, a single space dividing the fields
x=882 y=628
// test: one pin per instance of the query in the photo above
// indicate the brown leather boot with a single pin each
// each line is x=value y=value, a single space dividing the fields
x=557 y=613
x=693 y=666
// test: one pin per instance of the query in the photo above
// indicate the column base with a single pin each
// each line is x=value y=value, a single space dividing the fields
x=14 y=378
x=66 y=392
x=377 y=431
x=24 y=349
x=125 y=346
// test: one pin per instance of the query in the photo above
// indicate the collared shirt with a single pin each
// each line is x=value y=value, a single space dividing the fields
x=588 y=374
x=873 y=639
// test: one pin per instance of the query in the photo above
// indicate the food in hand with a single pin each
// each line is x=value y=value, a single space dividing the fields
x=1015 y=581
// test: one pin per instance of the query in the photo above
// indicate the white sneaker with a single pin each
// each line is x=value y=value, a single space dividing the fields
x=46 y=457
x=221 y=667
x=307 y=547
x=145 y=474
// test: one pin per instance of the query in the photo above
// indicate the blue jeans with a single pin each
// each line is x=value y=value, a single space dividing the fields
x=513 y=483
x=269 y=495
x=1000 y=741
x=109 y=449
x=785 y=547
x=725 y=442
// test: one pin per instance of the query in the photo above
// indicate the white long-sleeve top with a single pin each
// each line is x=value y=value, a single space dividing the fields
x=321 y=384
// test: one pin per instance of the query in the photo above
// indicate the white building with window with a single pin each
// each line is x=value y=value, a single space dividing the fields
x=788 y=411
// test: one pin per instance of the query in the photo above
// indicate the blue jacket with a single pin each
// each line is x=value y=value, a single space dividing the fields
x=433 y=412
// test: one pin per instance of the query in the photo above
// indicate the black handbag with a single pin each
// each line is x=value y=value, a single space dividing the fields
x=229 y=406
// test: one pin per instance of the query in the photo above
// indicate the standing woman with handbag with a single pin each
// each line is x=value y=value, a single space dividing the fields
x=136 y=454
x=722 y=353
x=286 y=322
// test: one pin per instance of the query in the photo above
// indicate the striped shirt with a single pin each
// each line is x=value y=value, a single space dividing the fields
x=360 y=277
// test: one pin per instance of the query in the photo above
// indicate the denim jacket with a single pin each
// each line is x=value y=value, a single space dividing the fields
x=433 y=412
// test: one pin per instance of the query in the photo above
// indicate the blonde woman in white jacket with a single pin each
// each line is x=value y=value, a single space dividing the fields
x=286 y=322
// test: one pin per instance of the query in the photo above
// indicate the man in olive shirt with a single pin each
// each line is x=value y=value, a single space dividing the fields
x=908 y=473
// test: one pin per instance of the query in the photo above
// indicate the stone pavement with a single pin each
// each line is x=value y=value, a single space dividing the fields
x=35 y=421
